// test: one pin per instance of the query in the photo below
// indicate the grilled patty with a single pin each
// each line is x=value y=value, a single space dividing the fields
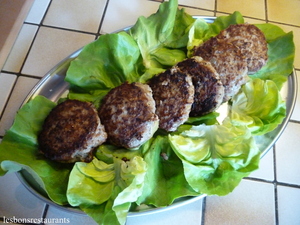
x=71 y=131
x=228 y=61
x=128 y=114
x=209 y=90
x=173 y=92
x=251 y=41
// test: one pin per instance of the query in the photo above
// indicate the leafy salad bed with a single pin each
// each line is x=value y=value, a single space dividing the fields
x=202 y=157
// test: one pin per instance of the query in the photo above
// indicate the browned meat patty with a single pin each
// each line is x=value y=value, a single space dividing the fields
x=71 y=132
x=173 y=92
x=209 y=90
x=228 y=61
x=251 y=41
x=128 y=114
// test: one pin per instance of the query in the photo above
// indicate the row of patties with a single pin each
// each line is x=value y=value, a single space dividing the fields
x=132 y=112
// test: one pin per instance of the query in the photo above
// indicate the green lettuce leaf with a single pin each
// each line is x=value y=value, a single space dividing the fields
x=133 y=173
x=118 y=181
x=19 y=151
x=281 y=54
x=259 y=106
x=208 y=119
x=222 y=22
x=105 y=63
x=201 y=31
x=196 y=35
x=164 y=177
x=161 y=36
x=90 y=183
x=216 y=157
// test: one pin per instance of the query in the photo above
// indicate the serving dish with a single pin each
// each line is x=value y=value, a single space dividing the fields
x=53 y=87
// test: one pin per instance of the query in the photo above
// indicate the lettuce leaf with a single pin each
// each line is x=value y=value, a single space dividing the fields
x=90 y=183
x=152 y=44
x=281 y=54
x=164 y=177
x=201 y=31
x=104 y=64
x=259 y=106
x=99 y=183
x=159 y=39
x=216 y=157
x=19 y=151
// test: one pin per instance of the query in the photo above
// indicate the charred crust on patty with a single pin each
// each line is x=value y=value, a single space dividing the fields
x=128 y=114
x=173 y=92
x=71 y=132
x=209 y=90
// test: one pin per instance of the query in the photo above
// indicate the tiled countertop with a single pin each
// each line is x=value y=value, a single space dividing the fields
x=56 y=28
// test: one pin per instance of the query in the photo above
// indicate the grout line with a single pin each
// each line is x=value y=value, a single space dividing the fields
x=276 y=204
x=216 y=7
x=266 y=11
x=203 y=211
x=45 y=211
x=29 y=49
x=102 y=19
x=194 y=7
x=19 y=74
x=37 y=31
x=62 y=28
x=288 y=185
x=275 y=186
x=283 y=23
x=259 y=180
x=24 y=60
x=294 y=121
x=46 y=11
x=8 y=97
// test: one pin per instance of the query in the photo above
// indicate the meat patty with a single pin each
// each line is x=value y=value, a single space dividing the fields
x=251 y=41
x=71 y=132
x=173 y=92
x=228 y=61
x=209 y=90
x=128 y=115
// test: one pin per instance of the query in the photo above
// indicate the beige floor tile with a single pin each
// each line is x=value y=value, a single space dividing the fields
x=204 y=4
x=76 y=14
x=198 y=12
x=20 y=48
x=7 y=81
x=288 y=154
x=37 y=11
x=296 y=112
x=288 y=205
x=20 y=91
x=254 y=9
x=250 y=203
x=246 y=19
x=266 y=167
x=121 y=14
x=50 y=47
x=284 y=11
